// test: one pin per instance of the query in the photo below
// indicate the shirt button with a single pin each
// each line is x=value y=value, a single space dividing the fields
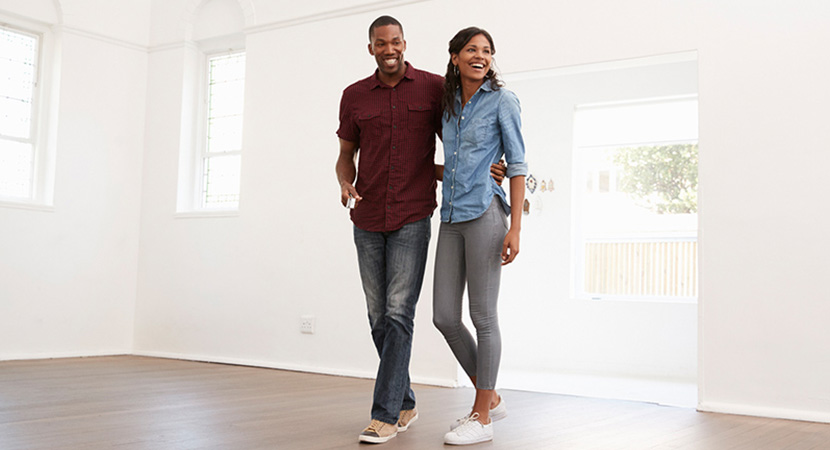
x=393 y=106
x=393 y=147
x=394 y=127
x=452 y=187
x=462 y=117
x=453 y=153
x=453 y=170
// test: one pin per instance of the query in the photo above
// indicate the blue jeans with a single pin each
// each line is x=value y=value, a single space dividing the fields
x=392 y=268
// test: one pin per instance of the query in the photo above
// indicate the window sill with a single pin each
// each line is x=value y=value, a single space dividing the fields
x=27 y=206
x=207 y=214
x=636 y=299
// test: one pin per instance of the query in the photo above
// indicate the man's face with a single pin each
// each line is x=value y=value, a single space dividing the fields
x=387 y=47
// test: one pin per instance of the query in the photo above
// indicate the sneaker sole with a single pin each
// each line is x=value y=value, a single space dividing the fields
x=477 y=441
x=402 y=429
x=376 y=440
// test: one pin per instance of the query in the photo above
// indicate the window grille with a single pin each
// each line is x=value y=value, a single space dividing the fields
x=18 y=85
x=222 y=152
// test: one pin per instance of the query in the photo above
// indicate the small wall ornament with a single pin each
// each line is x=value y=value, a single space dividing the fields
x=531 y=183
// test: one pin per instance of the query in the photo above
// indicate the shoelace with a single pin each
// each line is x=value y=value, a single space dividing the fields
x=470 y=418
x=375 y=426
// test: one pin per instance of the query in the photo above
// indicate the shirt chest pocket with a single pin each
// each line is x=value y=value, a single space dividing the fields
x=369 y=123
x=419 y=117
x=481 y=130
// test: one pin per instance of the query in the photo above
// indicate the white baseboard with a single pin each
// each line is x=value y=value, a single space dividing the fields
x=764 y=411
x=57 y=355
x=287 y=366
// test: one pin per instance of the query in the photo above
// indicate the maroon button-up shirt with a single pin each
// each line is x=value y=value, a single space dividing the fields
x=395 y=128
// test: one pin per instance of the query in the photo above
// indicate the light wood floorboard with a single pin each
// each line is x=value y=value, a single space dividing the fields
x=140 y=403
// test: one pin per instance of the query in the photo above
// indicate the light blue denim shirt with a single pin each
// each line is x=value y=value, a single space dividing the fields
x=488 y=127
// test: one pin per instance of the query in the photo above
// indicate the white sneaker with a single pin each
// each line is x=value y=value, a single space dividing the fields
x=496 y=414
x=470 y=432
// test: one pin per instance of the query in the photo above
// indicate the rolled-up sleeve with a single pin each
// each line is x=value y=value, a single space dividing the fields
x=510 y=121
x=348 y=130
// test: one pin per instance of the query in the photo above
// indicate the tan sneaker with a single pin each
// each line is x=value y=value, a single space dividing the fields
x=407 y=417
x=378 y=432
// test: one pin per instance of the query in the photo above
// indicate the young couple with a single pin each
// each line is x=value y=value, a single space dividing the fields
x=392 y=118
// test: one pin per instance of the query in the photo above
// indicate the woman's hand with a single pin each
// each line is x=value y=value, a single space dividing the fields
x=511 y=247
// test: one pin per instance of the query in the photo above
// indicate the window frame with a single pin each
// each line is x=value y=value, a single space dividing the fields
x=190 y=197
x=41 y=137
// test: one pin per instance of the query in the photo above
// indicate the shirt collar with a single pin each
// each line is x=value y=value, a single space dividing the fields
x=409 y=75
x=484 y=87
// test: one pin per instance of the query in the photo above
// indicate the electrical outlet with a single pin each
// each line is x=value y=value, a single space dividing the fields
x=307 y=324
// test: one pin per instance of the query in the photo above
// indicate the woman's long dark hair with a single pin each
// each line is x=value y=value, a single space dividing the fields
x=452 y=80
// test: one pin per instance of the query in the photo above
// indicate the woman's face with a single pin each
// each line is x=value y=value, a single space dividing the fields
x=474 y=59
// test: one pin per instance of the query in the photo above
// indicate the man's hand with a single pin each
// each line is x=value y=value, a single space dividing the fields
x=498 y=171
x=348 y=191
x=347 y=171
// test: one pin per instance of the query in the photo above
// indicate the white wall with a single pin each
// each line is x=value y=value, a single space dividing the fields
x=68 y=273
x=232 y=289
x=764 y=111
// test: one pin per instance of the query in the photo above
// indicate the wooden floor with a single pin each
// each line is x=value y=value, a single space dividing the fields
x=129 y=403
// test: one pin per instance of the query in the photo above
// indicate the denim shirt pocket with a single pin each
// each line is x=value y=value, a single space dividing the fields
x=482 y=130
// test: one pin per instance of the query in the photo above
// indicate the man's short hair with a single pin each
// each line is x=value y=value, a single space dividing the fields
x=383 y=21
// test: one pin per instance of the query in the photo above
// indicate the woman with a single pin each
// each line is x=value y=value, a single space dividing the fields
x=481 y=123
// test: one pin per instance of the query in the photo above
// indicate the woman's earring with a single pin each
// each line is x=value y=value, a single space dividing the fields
x=455 y=70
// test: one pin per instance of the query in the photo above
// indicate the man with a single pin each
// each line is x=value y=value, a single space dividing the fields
x=392 y=117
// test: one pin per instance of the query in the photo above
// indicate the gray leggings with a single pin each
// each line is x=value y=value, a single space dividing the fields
x=470 y=253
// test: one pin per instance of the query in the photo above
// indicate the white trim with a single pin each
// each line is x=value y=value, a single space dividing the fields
x=318 y=17
x=287 y=366
x=764 y=411
x=205 y=214
x=327 y=15
x=638 y=102
x=27 y=205
x=9 y=18
x=102 y=38
x=57 y=355
x=174 y=46
x=666 y=58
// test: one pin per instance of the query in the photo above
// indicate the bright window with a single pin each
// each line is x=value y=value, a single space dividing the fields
x=221 y=154
x=18 y=91
x=635 y=172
